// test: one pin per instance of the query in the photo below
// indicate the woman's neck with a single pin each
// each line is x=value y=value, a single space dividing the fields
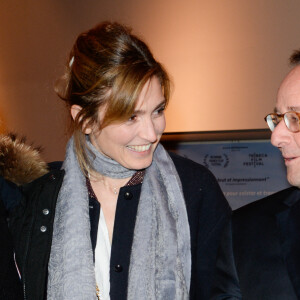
x=107 y=190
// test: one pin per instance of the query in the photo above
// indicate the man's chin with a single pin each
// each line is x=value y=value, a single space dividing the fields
x=294 y=180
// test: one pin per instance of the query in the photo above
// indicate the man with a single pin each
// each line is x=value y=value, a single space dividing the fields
x=260 y=255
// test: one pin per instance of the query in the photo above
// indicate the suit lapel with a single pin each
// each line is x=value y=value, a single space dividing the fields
x=288 y=222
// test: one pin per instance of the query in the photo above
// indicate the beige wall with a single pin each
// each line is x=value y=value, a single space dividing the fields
x=226 y=58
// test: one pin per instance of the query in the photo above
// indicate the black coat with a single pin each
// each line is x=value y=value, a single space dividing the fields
x=261 y=257
x=208 y=214
x=10 y=285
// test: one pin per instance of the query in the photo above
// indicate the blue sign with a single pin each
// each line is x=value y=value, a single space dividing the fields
x=246 y=171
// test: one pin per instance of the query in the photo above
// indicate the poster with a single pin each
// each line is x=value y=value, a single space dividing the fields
x=246 y=170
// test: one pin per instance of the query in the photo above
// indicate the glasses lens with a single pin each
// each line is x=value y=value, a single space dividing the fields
x=292 y=121
x=272 y=121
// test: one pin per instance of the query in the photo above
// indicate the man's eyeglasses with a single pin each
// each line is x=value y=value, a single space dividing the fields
x=291 y=120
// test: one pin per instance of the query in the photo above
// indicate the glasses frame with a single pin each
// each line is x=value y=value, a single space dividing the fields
x=282 y=117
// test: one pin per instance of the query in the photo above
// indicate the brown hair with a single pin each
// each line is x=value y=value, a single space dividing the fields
x=107 y=66
x=295 y=58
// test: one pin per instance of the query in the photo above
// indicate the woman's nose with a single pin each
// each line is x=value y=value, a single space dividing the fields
x=148 y=131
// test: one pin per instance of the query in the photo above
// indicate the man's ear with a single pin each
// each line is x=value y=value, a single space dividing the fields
x=75 y=109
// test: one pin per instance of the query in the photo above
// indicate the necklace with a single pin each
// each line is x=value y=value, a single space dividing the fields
x=112 y=188
x=97 y=292
x=115 y=190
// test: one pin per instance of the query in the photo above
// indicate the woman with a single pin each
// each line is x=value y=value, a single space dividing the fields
x=123 y=219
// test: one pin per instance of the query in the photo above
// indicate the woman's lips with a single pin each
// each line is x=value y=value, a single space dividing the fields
x=139 y=148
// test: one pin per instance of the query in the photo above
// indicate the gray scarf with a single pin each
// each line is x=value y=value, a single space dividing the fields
x=160 y=264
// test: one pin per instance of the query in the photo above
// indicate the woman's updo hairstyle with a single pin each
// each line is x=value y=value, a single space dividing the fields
x=107 y=66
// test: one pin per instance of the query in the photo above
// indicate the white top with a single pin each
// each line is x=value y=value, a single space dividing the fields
x=102 y=259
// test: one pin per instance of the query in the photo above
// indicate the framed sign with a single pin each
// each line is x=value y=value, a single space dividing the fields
x=244 y=162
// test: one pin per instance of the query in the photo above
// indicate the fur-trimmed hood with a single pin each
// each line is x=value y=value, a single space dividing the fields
x=19 y=162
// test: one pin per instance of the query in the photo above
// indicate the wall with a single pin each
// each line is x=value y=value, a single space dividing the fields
x=226 y=58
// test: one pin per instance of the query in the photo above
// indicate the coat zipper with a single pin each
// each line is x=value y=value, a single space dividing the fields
x=27 y=246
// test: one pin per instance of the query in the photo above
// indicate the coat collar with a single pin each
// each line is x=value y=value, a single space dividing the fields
x=288 y=222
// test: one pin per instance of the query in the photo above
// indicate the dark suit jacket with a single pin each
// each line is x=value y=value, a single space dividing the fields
x=260 y=258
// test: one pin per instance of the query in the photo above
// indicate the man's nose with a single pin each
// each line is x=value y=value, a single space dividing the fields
x=280 y=135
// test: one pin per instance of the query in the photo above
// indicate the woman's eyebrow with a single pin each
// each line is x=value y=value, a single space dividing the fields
x=140 y=111
x=162 y=103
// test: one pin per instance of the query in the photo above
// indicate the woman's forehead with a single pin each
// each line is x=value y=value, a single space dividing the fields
x=151 y=94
